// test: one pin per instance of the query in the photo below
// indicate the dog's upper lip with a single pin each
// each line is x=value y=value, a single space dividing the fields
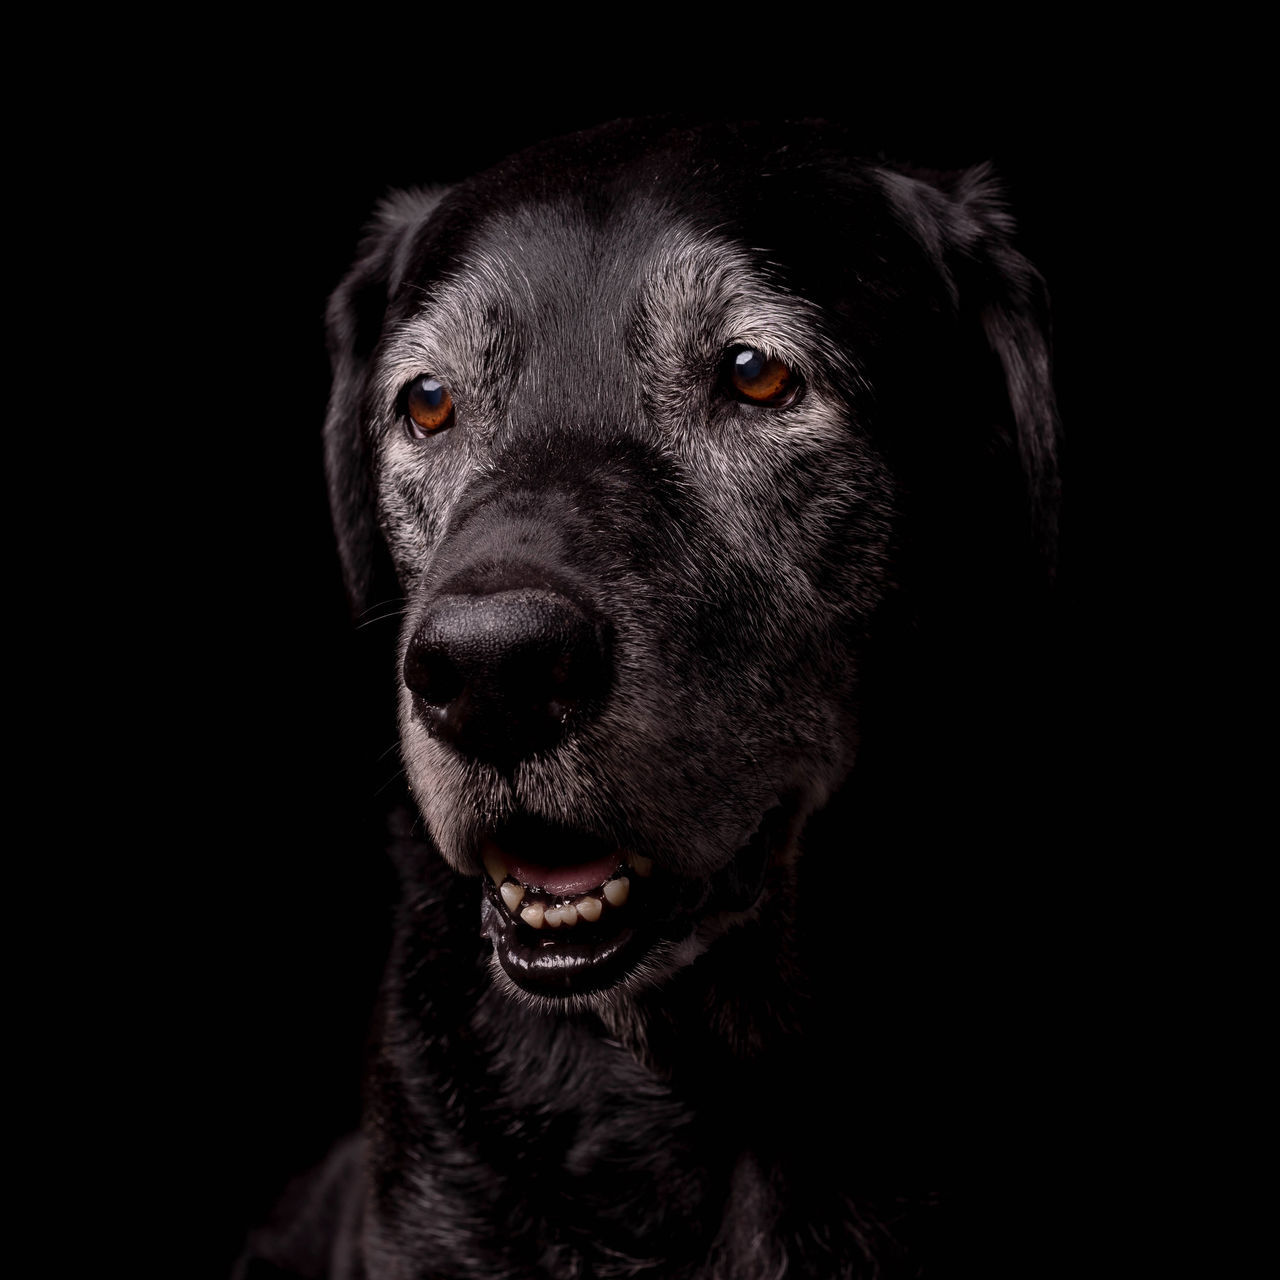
x=560 y=859
x=572 y=878
x=605 y=878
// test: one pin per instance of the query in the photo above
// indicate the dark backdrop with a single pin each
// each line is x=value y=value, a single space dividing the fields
x=277 y=794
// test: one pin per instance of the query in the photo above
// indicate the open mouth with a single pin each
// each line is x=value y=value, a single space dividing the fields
x=569 y=913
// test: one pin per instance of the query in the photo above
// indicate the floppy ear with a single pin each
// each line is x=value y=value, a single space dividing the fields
x=354 y=322
x=964 y=227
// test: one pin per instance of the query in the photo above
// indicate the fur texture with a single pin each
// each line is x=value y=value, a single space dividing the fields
x=818 y=625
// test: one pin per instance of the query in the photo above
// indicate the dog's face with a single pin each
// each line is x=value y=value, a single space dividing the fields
x=632 y=415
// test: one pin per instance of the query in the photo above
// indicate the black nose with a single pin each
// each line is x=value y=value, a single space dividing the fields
x=502 y=675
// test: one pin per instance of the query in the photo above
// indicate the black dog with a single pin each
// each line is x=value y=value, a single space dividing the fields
x=716 y=472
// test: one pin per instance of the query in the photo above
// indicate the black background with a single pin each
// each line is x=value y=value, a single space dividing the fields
x=274 y=737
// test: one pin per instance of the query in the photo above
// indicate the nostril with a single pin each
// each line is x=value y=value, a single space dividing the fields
x=571 y=679
x=432 y=674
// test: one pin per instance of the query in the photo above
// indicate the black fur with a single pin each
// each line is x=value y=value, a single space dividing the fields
x=822 y=630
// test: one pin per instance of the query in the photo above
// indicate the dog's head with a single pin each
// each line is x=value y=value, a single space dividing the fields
x=642 y=427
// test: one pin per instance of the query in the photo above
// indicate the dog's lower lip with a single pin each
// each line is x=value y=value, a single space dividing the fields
x=563 y=963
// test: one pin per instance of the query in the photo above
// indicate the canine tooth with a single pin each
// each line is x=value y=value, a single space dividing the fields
x=554 y=917
x=511 y=894
x=589 y=908
x=494 y=865
x=616 y=891
x=533 y=914
x=641 y=865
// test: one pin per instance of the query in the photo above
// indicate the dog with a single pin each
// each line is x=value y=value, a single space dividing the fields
x=714 y=471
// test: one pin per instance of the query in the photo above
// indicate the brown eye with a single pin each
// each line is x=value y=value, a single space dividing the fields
x=428 y=406
x=756 y=378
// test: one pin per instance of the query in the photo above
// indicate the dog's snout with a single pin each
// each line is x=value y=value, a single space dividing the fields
x=501 y=676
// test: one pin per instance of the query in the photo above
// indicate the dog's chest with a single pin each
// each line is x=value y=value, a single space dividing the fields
x=568 y=1157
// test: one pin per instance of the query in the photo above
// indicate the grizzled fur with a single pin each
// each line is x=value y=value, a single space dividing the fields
x=832 y=611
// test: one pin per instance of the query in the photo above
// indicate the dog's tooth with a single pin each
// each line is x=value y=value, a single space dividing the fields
x=494 y=865
x=511 y=894
x=533 y=915
x=641 y=865
x=589 y=908
x=554 y=917
x=616 y=891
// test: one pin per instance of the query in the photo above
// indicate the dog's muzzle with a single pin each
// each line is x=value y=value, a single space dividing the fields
x=506 y=668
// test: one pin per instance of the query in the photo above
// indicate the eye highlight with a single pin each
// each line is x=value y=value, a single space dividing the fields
x=428 y=407
x=755 y=378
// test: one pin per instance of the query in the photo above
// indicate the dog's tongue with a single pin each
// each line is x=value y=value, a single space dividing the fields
x=578 y=878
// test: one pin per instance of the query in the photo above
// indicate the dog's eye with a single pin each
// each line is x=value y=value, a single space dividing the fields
x=755 y=378
x=428 y=407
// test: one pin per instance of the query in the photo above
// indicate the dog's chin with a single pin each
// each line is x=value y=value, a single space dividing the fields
x=573 y=935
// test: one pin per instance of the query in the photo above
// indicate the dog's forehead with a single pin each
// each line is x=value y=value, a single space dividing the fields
x=551 y=259
x=574 y=281
x=753 y=234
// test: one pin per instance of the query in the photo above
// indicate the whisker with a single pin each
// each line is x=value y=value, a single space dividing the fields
x=399 y=773
x=393 y=608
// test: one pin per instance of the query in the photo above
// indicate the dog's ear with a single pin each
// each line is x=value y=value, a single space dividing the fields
x=354 y=322
x=962 y=223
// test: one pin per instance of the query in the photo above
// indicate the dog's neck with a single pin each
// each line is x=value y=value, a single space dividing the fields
x=711 y=1088
x=666 y=1024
